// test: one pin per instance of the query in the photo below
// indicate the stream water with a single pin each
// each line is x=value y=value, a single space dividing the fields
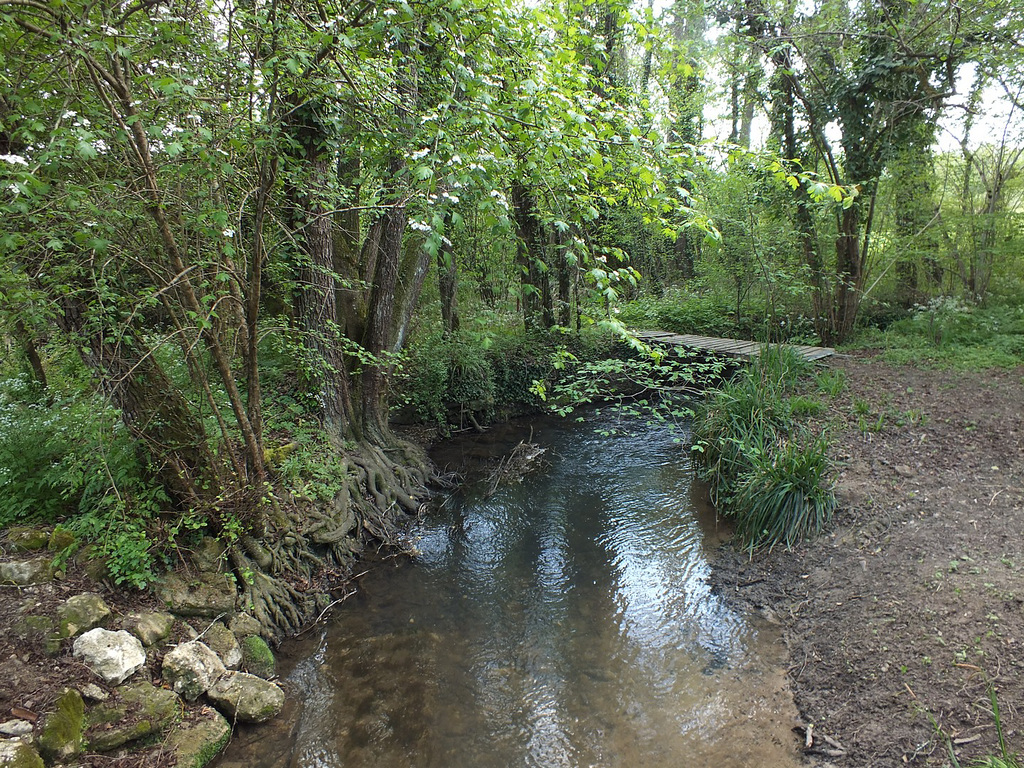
x=564 y=621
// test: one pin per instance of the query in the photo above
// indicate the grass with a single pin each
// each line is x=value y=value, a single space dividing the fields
x=765 y=469
x=1005 y=758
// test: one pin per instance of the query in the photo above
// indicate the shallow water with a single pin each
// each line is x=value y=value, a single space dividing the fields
x=565 y=621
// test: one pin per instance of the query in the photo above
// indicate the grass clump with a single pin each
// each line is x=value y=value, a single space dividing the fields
x=764 y=467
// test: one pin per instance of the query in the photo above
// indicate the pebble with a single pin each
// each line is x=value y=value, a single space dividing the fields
x=94 y=692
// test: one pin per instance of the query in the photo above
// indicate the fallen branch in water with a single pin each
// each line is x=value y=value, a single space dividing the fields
x=524 y=458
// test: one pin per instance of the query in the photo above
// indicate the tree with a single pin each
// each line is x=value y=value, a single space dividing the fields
x=880 y=74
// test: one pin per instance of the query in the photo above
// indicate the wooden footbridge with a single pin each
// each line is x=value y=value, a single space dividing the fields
x=747 y=350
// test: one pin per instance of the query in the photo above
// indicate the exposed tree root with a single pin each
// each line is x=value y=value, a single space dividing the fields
x=308 y=548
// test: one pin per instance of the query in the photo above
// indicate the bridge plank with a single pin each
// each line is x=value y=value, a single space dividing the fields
x=729 y=347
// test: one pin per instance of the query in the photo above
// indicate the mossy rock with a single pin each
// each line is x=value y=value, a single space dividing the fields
x=30 y=627
x=39 y=628
x=139 y=711
x=62 y=733
x=224 y=643
x=257 y=658
x=81 y=613
x=209 y=555
x=26 y=572
x=246 y=698
x=24 y=538
x=197 y=741
x=208 y=594
x=92 y=563
x=18 y=754
x=61 y=539
x=151 y=627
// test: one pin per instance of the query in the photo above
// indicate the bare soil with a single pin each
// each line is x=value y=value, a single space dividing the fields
x=899 y=618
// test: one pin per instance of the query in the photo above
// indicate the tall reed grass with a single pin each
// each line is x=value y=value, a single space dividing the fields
x=765 y=469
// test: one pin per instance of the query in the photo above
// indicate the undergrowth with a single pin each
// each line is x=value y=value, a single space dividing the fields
x=947 y=333
x=765 y=469
x=70 y=460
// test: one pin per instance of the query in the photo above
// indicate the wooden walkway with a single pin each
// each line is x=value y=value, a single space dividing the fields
x=728 y=347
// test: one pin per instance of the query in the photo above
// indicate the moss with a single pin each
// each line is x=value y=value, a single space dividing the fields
x=26 y=539
x=194 y=744
x=23 y=756
x=257 y=658
x=210 y=750
x=62 y=732
x=142 y=710
x=60 y=539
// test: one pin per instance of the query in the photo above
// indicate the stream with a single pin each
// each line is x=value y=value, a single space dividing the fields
x=564 y=621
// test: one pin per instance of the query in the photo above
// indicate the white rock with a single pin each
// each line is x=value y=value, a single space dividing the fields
x=114 y=656
x=191 y=668
x=16 y=728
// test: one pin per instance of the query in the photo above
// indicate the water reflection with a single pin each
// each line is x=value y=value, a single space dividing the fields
x=565 y=621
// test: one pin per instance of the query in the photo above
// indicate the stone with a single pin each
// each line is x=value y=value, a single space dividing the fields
x=113 y=656
x=246 y=698
x=33 y=626
x=208 y=594
x=191 y=668
x=24 y=538
x=81 y=613
x=257 y=658
x=16 y=728
x=92 y=563
x=194 y=743
x=62 y=733
x=151 y=627
x=224 y=643
x=26 y=572
x=243 y=624
x=208 y=555
x=17 y=754
x=93 y=692
x=139 y=711
x=60 y=539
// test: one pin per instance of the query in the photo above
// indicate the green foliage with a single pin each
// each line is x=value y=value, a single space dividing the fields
x=679 y=311
x=802 y=405
x=1005 y=758
x=784 y=494
x=708 y=313
x=445 y=377
x=831 y=382
x=72 y=460
x=637 y=381
x=947 y=333
x=765 y=469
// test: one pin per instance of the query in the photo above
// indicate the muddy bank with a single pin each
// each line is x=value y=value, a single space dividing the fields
x=896 y=619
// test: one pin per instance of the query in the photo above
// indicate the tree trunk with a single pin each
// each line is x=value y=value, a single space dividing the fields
x=529 y=254
x=849 y=275
x=448 y=282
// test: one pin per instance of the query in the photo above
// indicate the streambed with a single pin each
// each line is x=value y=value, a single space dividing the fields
x=563 y=621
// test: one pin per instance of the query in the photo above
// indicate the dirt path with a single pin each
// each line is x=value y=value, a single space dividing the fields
x=897 y=617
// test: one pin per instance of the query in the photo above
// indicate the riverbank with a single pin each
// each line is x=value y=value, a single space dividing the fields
x=899 y=616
